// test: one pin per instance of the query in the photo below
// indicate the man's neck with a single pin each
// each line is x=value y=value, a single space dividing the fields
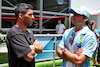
x=21 y=26
x=59 y=24
x=78 y=27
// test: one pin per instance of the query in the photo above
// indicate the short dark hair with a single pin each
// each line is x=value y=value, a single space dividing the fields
x=22 y=8
x=87 y=22
x=84 y=16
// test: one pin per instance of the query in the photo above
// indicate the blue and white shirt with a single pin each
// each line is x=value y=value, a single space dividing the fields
x=85 y=39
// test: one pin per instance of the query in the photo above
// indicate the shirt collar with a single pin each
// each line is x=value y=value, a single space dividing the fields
x=84 y=30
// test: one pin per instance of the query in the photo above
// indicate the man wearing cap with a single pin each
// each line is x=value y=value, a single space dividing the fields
x=78 y=43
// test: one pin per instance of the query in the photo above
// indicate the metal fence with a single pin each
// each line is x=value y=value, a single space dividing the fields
x=55 y=46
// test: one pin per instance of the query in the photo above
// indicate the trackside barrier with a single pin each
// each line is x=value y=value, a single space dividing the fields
x=55 y=45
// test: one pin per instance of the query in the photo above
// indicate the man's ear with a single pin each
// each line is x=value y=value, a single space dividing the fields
x=86 y=19
x=20 y=15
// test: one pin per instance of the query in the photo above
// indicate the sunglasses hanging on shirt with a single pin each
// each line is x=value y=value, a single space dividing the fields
x=72 y=38
x=28 y=35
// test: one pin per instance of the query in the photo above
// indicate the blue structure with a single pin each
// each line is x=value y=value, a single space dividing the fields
x=48 y=44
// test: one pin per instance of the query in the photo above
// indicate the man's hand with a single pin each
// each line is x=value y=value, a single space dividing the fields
x=94 y=31
x=79 y=51
x=39 y=47
x=29 y=57
x=37 y=43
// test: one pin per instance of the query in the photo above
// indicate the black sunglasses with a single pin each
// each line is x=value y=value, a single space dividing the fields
x=28 y=35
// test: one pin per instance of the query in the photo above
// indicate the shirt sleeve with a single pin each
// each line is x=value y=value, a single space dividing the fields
x=63 y=26
x=64 y=38
x=56 y=28
x=62 y=42
x=19 y=45
x=90 y=45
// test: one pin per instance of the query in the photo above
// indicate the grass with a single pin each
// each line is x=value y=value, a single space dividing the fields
x=50 y=63
x=3 y=58
x=47 y=63
x=4 y=66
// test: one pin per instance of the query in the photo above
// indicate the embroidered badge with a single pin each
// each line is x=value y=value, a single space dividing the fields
x=81 y=39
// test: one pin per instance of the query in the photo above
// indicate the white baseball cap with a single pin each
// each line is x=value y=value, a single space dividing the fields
x=81 y=10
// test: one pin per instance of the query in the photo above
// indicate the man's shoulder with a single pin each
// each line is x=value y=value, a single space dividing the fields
x=62 y=24
x=90 y=33
x=13 y=31
x=68 y=30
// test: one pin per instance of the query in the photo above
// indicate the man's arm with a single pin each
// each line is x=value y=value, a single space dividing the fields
x=29 y=57
x=75 y=59
x=98 y=36
x=60 y=54
x=38 y=50
x=68 y=56
x=64 y=30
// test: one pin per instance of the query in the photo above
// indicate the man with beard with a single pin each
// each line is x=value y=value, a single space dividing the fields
x=78 y=43
x=21 y=43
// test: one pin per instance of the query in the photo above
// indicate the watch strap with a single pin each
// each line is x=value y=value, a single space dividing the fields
x=35 y=48
x=64 y=50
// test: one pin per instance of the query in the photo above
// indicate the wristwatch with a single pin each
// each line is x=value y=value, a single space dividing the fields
x=35 y=48
x=64 y=50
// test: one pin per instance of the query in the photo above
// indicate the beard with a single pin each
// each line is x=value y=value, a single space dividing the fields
x=28 y=22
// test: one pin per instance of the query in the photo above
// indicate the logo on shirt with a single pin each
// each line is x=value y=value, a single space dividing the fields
x=81 y=39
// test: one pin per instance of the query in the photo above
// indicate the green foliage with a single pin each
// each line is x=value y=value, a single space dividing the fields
x=2 y=32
